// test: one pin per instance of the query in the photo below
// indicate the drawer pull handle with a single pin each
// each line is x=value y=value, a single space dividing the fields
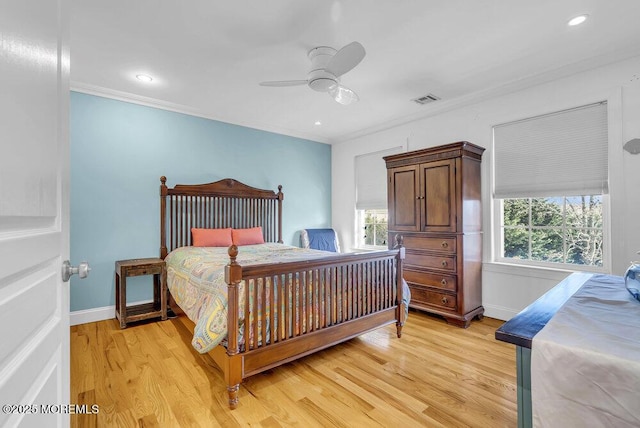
x=445 y=300
x=444 y=263
x=443 y=282
x=445 y=244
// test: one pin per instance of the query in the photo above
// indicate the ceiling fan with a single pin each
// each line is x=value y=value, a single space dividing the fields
x=327 y=65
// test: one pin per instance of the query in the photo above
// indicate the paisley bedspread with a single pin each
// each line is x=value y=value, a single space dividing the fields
x=195 y=277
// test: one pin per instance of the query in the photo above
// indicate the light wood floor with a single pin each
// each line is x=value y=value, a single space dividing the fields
x=435 y=375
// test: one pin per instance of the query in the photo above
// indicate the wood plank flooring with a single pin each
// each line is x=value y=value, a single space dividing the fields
x=436 y=375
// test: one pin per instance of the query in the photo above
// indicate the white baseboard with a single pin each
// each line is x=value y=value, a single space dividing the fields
x=97 y=314
x=499 y=312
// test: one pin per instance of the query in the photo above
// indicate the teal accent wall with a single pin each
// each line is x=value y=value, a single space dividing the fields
x=119 y=150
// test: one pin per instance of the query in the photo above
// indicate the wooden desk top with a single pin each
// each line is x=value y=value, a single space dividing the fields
x=520 y=329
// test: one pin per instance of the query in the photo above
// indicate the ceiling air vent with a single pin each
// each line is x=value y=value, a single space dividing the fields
x=426 y=99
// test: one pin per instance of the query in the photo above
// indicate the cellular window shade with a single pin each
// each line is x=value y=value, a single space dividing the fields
x=371 y=179
x=559 y=154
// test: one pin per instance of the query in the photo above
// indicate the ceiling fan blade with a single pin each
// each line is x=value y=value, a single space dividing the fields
x=284 y=83
x=345 y=59
x=343 y=95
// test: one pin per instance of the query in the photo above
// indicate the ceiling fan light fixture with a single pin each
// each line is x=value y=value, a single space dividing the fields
x=323 y=84
x=344 y=96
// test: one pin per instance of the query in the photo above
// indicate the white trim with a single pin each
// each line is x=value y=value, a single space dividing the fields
x=499 y=312
x=619 y=189
x=567 y=267
x=498 y=242
x=526 y=271
x=86 y=316
x=178 y=108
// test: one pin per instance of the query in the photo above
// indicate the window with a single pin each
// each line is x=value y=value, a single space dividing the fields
x=371 y=199
x=550 y=186
x=372 y=227
x=566 y=230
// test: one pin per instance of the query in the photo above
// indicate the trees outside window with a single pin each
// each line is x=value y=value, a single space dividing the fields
x=373 y=227
x=566 y=230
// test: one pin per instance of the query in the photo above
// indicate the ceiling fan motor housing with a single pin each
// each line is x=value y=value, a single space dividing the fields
x=319 y=79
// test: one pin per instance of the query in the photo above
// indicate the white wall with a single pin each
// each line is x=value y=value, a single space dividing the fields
x=508 y=289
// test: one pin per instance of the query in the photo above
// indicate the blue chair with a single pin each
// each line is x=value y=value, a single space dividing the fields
x=320 y=239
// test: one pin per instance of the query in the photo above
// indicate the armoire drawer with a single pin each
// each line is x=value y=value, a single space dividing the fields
x=445 y=282
x=430 y=243
x=433 y=298
x=430 y=261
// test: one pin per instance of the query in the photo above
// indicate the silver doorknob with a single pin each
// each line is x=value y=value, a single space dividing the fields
x=67 y=270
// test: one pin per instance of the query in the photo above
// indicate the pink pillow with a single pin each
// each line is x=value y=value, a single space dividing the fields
x=211 y=237
x=250 y=236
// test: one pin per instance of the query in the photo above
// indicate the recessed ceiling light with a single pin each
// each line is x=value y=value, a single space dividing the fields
x=144 y=78
x=317 y=123
x=577 y=20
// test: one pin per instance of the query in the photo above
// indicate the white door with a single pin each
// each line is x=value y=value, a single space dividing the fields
x=34 y=213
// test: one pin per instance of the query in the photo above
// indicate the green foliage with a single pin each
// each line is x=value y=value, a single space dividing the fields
x=559 y=230
x=376 y=227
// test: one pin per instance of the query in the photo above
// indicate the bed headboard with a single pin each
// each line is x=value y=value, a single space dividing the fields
x=225 y=203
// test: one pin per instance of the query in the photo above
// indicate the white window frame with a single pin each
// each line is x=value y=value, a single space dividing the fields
x=360 y=216
x=497 y=244
x=498 y=239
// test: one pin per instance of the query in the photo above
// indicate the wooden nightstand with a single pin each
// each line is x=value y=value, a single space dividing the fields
x=137 y=267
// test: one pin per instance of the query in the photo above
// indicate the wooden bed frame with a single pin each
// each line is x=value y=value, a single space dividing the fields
x=337 y=298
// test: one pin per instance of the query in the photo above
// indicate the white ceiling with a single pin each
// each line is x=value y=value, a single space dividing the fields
x=208 y=56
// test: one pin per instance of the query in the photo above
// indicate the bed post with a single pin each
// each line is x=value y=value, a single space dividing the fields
x=163 y=217
x=399 y=284
x=233 y=372
x=280 y=198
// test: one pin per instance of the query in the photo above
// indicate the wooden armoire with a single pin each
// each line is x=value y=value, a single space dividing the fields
x=434 y=200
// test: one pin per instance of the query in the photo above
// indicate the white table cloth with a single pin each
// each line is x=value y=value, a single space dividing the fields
x=585 y=363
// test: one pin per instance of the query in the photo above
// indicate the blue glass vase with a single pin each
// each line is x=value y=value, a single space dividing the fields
x=632 y=280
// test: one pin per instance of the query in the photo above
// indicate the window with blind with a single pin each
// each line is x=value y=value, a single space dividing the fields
x=371 y=199
x=550 y=176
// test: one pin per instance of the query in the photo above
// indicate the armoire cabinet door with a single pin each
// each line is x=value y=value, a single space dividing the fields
x=438 y=188
x=404 y=199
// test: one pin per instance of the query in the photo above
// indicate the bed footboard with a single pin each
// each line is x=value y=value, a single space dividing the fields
x=283 y=311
